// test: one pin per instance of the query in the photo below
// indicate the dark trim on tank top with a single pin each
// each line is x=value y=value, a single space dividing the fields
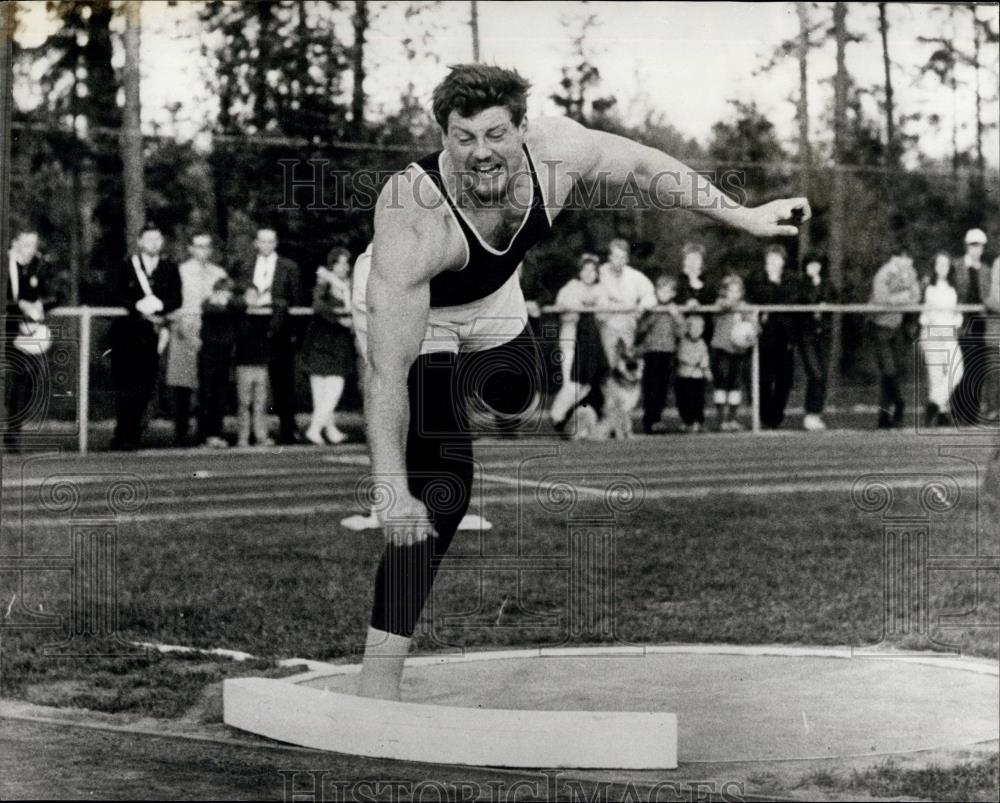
x=524 y=220
x=451 y=208
x=541 y=192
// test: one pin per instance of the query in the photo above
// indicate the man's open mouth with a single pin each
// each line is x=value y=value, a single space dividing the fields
x=490 y=170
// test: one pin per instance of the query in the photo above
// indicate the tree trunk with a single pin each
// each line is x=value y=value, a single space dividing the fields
x=131 y=141
x=474 y=25
x=891 y=146
x=838 y=210
x=979 y=187
x=805 y=149
x=6 y=112
x=358 y=68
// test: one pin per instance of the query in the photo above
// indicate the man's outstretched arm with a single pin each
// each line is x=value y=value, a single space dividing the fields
x=599 y=156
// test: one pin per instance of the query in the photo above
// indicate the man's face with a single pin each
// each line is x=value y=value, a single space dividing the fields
x=151 y=243
x=488 y=147
x=902 y=262
x=975 y=251
x=26 y=247
x=813 y=269
x=618 y=258
x=693 y=263
x=266 y=242
x=201 y=248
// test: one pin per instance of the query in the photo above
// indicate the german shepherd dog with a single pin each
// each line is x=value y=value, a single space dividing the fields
x=622 y=389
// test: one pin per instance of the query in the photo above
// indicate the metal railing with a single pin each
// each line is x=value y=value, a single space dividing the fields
x=87 y=314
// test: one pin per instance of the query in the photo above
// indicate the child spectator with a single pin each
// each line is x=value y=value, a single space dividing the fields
x=252 y=353
x=657 y=335
x=693 y=371
x=219 y=316
x=735 y=331
x=814 y=339
x=940 y=324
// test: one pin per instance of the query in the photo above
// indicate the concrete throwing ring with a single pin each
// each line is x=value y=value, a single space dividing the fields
x=618 y=708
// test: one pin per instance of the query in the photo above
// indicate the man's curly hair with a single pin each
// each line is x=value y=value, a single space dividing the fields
x=470 y=88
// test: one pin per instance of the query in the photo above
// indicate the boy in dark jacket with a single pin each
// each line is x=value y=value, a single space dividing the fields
x=252 y=354
x=658 y=335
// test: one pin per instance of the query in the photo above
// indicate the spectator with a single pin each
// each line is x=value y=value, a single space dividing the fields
x=328 y=347
x=978 y=387
x=584 y=363
x=148 y=287
x=253 y=344
x=895 y=284
x=198 y=275
x=735 y=332
x=693 y=372
x=692 y=289
x=658 y=334
x=624 y=288
x=814 y=338
x=277 y=281
x=219 y=320
x=30 y=293
x=940 y=323
x=777 y=336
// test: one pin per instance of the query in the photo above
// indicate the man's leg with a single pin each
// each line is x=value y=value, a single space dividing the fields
x=783 y=383
x=887 y=373
x=767 y=383
x=281 y=373
x=969 y=390
x=439 y=473
x=655 y=376
x=815 y=378
x=182 y=414
x=22 y=387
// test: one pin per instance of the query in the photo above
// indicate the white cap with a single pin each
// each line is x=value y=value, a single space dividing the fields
x=975 y=237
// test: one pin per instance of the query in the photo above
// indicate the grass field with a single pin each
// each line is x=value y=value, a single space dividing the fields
x=732 y=539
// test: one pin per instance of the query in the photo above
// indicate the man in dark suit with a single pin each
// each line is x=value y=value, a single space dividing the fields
x=30 y=292
x=980 y=335
x=149 y=287
x=278 y=285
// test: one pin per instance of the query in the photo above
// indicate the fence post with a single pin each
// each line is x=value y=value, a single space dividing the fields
x=755 y=387
x=83 y=392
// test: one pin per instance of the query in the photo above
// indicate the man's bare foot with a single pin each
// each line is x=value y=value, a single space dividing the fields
x=382 y=669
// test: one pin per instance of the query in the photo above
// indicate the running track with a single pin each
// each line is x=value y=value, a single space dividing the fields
x=49 y=490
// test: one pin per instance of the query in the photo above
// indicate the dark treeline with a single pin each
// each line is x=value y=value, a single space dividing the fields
x=289 y=89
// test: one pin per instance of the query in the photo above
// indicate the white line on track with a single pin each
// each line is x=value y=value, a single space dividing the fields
x=486 y=499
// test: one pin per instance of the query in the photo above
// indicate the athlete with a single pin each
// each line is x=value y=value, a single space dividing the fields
x=444 y=323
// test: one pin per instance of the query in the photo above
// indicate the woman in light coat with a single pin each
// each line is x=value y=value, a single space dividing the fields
x=939 y=326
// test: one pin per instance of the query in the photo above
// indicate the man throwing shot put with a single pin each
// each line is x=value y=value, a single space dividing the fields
x=443 y=320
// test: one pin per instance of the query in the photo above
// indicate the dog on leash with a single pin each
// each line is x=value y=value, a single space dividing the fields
x=622 y=389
